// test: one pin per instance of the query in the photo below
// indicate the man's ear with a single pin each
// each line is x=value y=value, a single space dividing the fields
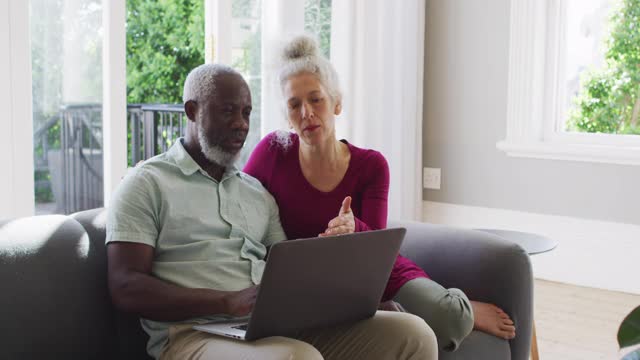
x=191 y=108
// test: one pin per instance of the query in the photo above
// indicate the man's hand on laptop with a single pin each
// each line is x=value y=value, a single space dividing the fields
x=240 y=303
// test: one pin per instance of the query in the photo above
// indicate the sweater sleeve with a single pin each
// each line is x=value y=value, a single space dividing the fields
x=373 y=215
x=262 y=160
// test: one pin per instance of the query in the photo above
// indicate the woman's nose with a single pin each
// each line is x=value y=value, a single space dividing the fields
x=306 y=111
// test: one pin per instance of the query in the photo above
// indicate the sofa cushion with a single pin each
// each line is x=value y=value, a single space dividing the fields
x=479 y=346
x=131 y=339
x=54 y=299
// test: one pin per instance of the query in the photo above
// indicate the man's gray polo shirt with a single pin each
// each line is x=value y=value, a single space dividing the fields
x=206 y=234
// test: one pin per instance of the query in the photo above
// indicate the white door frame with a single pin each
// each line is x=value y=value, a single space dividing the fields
x=16 y=148
x=114 y=95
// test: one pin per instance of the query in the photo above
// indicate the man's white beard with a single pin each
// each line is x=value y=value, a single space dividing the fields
x=215 y=153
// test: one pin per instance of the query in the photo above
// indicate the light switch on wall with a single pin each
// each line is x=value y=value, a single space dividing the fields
x=431 y=178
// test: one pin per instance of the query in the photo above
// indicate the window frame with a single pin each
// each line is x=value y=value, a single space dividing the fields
x=535 y=94
x=277 y=20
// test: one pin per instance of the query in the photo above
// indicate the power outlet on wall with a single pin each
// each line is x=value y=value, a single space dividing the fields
x=431 y=178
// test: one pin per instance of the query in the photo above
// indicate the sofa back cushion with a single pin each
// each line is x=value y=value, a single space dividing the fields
x=131 y=339
x=54 y=300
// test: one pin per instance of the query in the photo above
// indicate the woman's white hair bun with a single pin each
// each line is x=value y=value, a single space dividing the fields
x=300 y=47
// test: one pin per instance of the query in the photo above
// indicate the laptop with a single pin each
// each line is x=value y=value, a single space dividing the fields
x=317 y=282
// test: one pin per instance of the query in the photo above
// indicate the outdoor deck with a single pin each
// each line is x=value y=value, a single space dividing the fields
x=68 y=151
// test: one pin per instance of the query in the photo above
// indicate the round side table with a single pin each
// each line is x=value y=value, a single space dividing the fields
x=532 y=244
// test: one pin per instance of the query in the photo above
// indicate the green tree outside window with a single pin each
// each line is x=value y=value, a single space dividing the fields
x=609 y=101
x=165 y=40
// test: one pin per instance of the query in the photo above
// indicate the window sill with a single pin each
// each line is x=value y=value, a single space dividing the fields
x=609 y=154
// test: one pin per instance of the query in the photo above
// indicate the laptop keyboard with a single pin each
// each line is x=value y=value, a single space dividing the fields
x=241 y=327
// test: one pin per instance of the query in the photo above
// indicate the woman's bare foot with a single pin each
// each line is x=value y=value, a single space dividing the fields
x=491 y=319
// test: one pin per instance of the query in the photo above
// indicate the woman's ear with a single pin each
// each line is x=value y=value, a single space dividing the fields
x=338 y=108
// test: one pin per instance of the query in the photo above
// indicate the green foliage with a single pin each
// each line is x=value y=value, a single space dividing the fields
x=317 y=21
x=629 y=333
x=42 y=189
x=609 y=101
x=165 y=40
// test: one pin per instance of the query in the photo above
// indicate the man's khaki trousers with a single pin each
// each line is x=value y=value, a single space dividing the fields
x=387 y=335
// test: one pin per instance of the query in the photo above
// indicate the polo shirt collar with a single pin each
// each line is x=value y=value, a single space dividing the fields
x=188 y=166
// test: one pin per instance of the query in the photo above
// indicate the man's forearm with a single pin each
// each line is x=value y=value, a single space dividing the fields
x=154 y=299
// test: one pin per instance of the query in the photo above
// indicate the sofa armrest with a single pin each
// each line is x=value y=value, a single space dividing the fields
x=54 y=300
x=484 y=266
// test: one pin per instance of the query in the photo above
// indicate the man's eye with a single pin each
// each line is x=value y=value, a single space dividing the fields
x=316 y=100
x=294 y=106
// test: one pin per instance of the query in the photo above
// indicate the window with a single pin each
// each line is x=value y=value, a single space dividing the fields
x=572 y=87
x=253 y=24
x=66 y=57
x=246 y=57
x=584 y=58
x=165 y=40
x=74 y=44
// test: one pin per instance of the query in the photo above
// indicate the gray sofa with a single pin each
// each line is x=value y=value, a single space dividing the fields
x=55 y=302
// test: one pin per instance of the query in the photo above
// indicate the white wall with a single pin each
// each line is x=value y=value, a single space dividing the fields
x=16 y=146
x=590 y=253
x=466 y=68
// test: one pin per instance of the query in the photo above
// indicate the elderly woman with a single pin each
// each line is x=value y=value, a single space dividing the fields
x=314 y=177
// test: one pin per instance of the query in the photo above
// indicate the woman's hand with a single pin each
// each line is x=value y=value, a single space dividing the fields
x=391 y=305
x=344 y=223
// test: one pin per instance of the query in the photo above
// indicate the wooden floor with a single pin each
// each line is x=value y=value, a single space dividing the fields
x=579 y=323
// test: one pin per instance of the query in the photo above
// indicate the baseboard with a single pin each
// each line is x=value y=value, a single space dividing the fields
x=590 y=253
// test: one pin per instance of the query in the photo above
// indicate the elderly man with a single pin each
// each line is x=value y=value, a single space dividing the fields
x=187 y=236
